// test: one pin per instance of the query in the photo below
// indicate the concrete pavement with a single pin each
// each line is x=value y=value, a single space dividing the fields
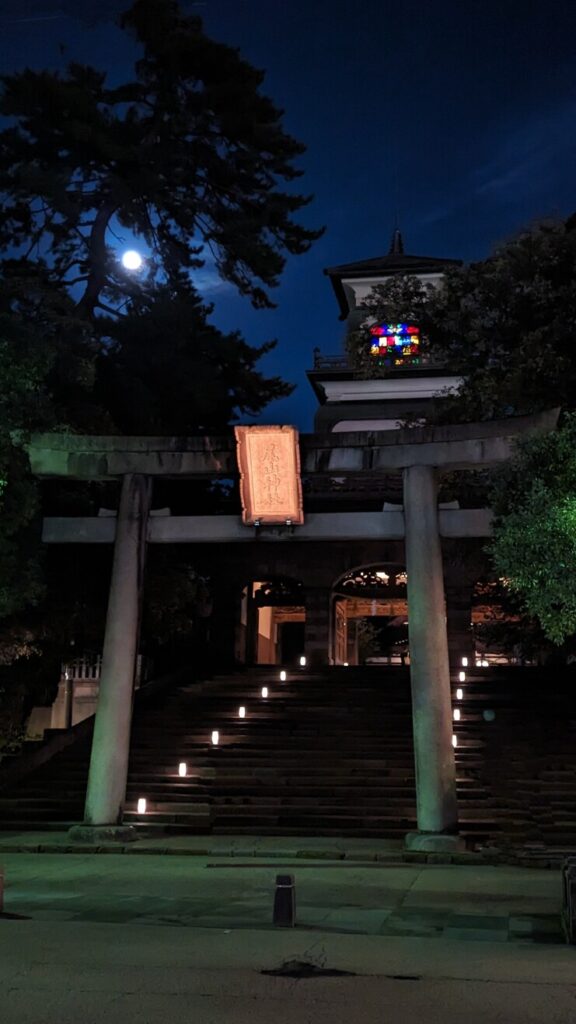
x=65 y=972
x=114 y=938
x=475 y=903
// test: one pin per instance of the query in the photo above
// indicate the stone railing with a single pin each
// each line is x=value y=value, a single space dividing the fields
x=330 y=362
x=342 y=362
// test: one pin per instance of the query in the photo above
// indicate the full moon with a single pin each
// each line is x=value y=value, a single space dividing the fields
x=131 y=260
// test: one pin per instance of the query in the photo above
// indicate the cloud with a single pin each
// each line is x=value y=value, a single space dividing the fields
x=531 y=156
x=530 y=162
x=208 y=281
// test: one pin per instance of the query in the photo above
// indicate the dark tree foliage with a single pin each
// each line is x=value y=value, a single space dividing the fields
x=187 y=154
x=507 y=324
x=403 y=297
x=534 y=543
x=170 y=371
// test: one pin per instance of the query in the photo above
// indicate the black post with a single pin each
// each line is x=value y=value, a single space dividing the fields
x=284 y=902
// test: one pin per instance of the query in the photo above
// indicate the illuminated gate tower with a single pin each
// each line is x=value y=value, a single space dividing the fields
x=411 y=381
x=405 y=393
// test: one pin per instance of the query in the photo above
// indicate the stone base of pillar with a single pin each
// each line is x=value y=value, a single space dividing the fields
x=434 y=842
x=102 y=834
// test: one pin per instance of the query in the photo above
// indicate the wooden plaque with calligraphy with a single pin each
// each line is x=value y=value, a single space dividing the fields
x=269 y=464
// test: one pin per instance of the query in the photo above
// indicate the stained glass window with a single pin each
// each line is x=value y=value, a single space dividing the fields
x=395 y=345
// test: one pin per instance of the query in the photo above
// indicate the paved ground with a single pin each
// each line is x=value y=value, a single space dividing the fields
x=473 y=903
x=65 y=972
x=113 y=938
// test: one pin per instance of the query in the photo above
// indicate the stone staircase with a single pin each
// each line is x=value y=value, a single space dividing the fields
x=329 y=754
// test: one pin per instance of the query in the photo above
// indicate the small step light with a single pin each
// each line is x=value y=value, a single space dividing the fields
x=215 y=737
x=242 y=712
x=182 y=769
x=454 y=740
x=459 y=694
x=283 y=676
x=264 y=692
x=142 y=805
x=456 y=714
x=464 y=662
x=461 y=677
x=302 y=660
x=346 y=664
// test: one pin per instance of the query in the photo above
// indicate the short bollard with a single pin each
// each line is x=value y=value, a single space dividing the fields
x=284 y=902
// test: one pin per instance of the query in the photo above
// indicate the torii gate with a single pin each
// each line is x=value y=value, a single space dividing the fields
x=420 y=454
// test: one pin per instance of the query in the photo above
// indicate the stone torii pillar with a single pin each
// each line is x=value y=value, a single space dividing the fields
x=437 y=811
x=111 y=743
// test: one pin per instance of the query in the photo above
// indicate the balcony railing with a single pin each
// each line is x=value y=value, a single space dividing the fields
x=330 y=362
x=342 y=362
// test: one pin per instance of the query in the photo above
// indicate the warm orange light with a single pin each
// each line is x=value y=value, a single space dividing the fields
x=269 y=464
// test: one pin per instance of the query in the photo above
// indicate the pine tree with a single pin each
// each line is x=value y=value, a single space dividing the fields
x=187 y=154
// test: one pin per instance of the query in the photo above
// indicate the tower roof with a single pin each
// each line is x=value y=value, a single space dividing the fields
x=396 y=261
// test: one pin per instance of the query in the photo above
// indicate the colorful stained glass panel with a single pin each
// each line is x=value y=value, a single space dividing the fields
x=395 y=344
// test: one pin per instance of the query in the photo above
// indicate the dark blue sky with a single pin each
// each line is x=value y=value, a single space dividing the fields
x=461 y=114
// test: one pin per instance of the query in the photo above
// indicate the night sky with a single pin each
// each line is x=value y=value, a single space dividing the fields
x=459 y=114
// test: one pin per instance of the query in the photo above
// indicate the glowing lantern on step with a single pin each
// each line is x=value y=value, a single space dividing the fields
x=464 y=662
x=462 y=677
x=484 y=664
x=459 y=694
x=264 y=692
x=182 y=769
x=454 y=740
x=282 y=676
x=241 y=712
x=302 y=660
x=142 y=805
x=456 y=714
x=215 y=737
x=345 y=664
